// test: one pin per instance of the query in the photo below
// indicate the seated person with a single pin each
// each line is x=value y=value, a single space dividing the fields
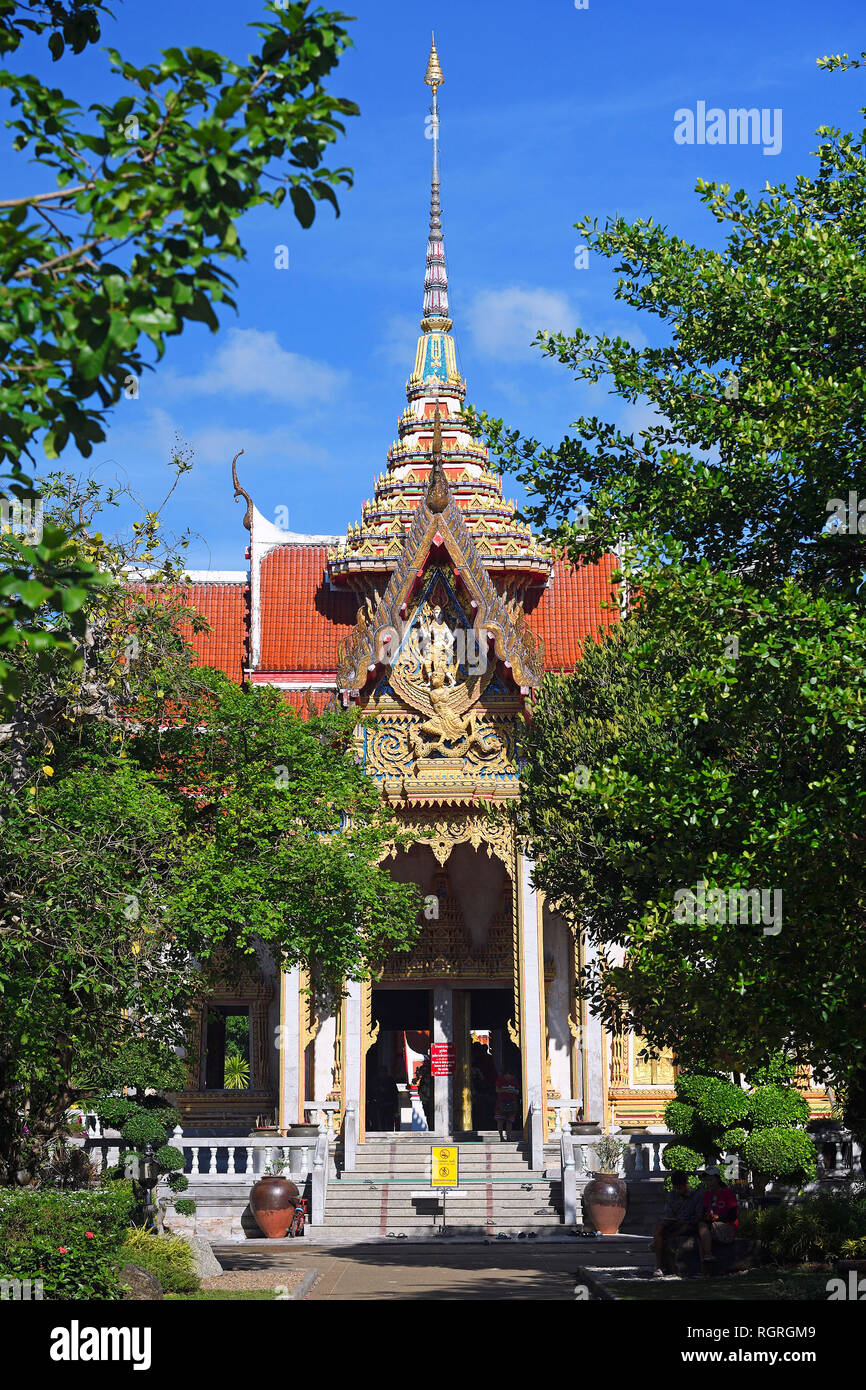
x=718 y=1221
x=683 y=1208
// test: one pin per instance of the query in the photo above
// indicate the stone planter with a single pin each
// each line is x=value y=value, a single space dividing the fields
x=585 y=1127
x=605 y=1198
x=301 y=1131
x=272 y=1203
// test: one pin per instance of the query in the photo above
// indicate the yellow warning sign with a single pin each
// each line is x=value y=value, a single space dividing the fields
x=443 y=1167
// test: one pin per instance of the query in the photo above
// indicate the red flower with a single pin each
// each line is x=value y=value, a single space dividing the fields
x=63 y=1250
x=90 y=1235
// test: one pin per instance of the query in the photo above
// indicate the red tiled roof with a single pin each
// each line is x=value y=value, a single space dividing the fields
x=224 y=607
x=301 y=700
x=302 y=619
x=570 y=610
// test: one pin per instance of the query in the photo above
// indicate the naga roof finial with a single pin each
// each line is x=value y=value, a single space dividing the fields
x=438 y=491
x=241 y=492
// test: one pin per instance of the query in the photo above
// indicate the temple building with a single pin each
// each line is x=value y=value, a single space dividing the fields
x=437 y=614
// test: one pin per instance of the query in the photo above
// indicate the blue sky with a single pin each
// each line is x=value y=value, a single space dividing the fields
x=547 y=113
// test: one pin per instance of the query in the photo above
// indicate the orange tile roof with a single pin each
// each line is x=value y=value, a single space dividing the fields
x=302 y=619
x=570 y=610
x=224 y=607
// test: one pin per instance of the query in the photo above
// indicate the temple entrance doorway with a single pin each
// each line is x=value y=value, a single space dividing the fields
x=490 y=1052
x=399 y=1085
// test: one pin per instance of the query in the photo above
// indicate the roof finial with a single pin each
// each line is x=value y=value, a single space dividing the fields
x=242 y=492
x=433 y=77
x=438 y=491
x=435 y=317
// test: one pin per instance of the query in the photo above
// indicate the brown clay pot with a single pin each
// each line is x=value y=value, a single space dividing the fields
x=272 y=1203
x=605 y=1199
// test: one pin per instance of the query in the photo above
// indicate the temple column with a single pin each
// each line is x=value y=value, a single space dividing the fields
x=353 y=1049
x=533 y=1042
x=289 y=1041
x=443 y=1032
x=593 y=1060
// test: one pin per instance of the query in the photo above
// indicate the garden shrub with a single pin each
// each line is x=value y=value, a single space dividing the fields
x=821 y=1227
x=780 y=1153
x=679 y=1156
x=774 y=1107
x=733 y=1140
x=169 y=1257
x=70 y=1240
x=679 y=1117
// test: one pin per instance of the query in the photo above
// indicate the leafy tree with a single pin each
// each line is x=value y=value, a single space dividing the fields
x=127 y=247
x=718 y=737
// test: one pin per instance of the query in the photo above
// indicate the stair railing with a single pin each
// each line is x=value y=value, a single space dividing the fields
x=321 y=1163
x=569 y=1179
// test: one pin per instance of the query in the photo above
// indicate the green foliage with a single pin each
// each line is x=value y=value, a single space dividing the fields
x=145 y=1127
x=184 y=1207
x=69 y=1240
x=780 y=1154
x=679 y=1117
x=779 y=1071
x=812 y=1228
x=773 y=1106
x=168 y=1257
x=733 y=1139
x=680 y=1156
x=168 y=1157
x=236 y=1073
x=149 y=188
x=718 y=1104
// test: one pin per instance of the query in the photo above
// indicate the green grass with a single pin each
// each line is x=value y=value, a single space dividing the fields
x=758 y=1286
x=221 y=1296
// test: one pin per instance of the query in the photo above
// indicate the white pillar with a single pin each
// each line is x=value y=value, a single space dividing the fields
x=443 y=1032
x=353 y=1053
x=593 y=1101
x=289 y=1037
x=533 y=1042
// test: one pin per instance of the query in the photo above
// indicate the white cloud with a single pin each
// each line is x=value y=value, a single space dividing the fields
x=504 y=322
x=250 y=362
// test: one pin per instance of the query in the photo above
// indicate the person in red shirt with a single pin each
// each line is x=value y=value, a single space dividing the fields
x=720 y=1218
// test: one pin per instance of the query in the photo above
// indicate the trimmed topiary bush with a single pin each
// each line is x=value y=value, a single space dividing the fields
x=69 y=1240
x=781 y=1153
x=733 y=1139
x=679 y=1117
x=775 y=1107
x=679 y=1156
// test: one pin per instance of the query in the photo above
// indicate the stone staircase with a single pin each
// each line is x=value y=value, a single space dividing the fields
x=504 y=1195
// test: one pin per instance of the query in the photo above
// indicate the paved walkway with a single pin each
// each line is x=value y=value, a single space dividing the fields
x=505 y=1269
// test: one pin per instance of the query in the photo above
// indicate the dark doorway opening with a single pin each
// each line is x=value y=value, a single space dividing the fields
x=227 y=1048
x=398 y=1063
x=492 y=1053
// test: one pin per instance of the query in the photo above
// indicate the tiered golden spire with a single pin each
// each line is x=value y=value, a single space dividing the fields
x=433 y=77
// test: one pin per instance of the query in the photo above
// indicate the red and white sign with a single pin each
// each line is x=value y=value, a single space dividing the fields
x=442 y=1059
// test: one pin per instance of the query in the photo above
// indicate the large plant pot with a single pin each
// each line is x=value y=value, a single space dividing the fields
x=605 y=1198
x=272 y=1203
x=585 y=1127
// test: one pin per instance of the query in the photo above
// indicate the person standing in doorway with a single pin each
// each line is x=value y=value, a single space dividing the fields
x=507 y=1103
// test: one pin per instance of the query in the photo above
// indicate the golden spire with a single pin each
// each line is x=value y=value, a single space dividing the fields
x=433 y=77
